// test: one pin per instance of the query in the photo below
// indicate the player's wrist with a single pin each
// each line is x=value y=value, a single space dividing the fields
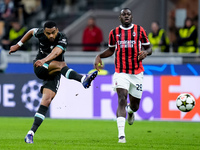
x=44 y=60
x=20 y=43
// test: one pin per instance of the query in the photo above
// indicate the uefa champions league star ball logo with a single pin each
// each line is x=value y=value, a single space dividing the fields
x=31 y=95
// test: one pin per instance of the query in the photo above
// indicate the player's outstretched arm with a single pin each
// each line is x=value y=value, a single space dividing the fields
x=25 y=38
x=107 y=53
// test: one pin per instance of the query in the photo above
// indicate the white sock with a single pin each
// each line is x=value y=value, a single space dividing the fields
x=129 y=110
x=31 y=132
x=82 y=79
x=121 y=126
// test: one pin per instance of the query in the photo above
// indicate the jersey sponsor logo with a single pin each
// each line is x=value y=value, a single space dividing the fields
x=126 y=43
x=118 y=35
x=64 y=42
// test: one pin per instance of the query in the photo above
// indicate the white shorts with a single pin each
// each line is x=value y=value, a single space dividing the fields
x=131 y=82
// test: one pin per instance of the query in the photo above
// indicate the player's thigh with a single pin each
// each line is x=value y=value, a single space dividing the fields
x=120 y=80
x=55 y=66
x=52 y=83
x=136 y=83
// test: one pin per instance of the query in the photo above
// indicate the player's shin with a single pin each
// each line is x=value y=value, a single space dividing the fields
x=71 y=74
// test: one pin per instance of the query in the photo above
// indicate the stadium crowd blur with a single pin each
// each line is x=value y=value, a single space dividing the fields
x=158 y=38
x=3 y=60
x=92 y=36
x=17 y=16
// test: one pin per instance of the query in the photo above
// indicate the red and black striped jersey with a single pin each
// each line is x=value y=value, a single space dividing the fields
x=127 y=43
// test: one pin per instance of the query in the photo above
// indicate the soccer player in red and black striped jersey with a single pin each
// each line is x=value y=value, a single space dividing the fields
x=126 y=41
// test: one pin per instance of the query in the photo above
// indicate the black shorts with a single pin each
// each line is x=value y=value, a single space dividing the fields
x=51 y=82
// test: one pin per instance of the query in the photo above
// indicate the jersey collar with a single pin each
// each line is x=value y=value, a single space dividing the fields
x=126 y=28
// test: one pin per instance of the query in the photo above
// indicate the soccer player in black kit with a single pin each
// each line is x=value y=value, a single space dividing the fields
x=48 y=66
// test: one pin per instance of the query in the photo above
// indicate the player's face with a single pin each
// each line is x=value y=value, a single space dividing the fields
x=51 y=33
x=125 y=17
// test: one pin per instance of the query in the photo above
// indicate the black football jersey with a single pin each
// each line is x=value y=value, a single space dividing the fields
x=45 y=46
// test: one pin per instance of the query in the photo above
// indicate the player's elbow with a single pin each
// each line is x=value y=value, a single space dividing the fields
x=150 y=51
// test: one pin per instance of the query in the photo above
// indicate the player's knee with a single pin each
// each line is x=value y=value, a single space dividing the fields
x=46 y=100
x=122 y=100
x=56 y=65
x=62 y=64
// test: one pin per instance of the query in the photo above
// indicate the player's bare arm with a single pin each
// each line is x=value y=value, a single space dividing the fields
x=147 y=51
x=55 y=52
x=107 y=53
x=24 y=39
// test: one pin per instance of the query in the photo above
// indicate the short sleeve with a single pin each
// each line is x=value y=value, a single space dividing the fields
x=62 y=43
x=143 y=37
x=112 y=41
x=35 y=30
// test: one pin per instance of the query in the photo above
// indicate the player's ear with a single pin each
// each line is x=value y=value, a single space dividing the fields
x=119 y=18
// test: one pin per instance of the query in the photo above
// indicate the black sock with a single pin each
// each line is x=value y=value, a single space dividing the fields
x=39 y=117
x=70 y=74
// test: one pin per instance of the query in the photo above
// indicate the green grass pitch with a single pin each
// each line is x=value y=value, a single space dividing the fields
x=69 y=134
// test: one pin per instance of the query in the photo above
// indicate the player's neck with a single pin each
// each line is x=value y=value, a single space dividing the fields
x=126 y=25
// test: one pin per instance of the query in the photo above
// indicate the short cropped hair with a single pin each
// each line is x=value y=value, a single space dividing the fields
x=125 y=9
x=50 y=24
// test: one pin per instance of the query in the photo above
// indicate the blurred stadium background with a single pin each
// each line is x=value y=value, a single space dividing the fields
x=166 y=74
